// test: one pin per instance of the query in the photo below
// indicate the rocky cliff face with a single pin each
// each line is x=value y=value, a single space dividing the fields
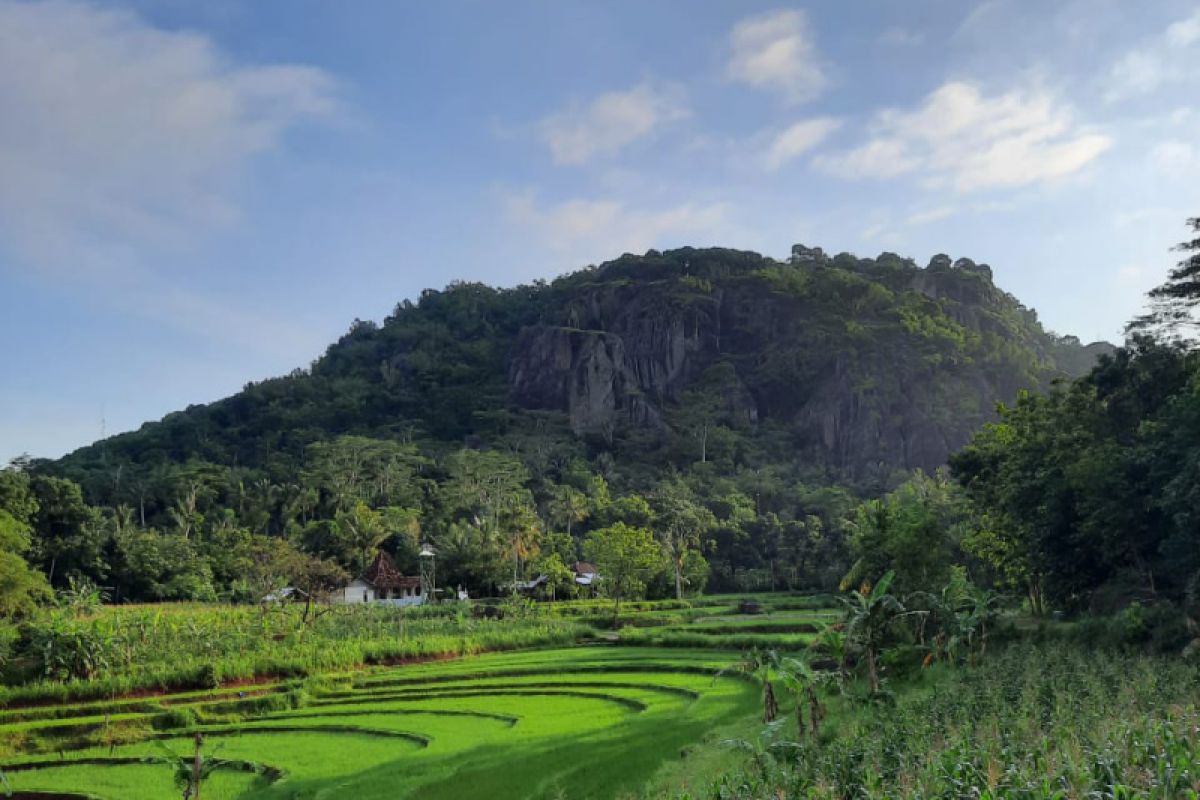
x=863 y=366
x=864 y=369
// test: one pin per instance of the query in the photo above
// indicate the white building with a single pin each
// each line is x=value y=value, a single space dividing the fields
x=382 y=583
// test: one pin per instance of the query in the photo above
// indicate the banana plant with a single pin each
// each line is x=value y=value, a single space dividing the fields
x=759 y=664
x=803 y=681
x=870 y=614
x=190 y=773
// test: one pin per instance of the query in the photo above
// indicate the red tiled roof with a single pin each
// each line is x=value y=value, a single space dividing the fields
x=384 y=574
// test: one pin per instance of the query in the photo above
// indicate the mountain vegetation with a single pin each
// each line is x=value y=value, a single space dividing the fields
x=737 y=406
x=627 y=418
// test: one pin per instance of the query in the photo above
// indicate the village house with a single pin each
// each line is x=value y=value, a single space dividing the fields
x=382 y=583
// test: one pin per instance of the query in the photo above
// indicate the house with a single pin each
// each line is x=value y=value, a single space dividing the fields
x=527 y=586
x=382 y=583
x=282 y=595
x=585 y=573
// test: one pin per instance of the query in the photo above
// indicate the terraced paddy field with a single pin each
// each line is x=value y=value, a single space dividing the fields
x=582 y=722
x=781 y=630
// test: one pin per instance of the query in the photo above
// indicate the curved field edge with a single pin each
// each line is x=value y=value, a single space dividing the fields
x=237 y=671
x=661 y=717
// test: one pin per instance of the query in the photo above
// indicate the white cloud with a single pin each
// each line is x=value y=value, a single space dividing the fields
x=1185 y=32
x=931 y=215
x=123 y=147
x=776 y=51
x=598 y=228
x=881 y=157
x=1161 y=60
x=1138 y=72
x=799 y=139
x=960 y=138
x=611 y=122
x=129 y=136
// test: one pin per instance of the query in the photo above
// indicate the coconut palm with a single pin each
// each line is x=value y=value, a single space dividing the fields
x=362 y=531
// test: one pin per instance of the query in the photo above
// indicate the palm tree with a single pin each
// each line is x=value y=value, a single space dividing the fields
x=362 y=530
x=567 y=506
x=870 y=612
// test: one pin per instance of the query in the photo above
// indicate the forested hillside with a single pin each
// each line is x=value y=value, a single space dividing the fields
x=861 y=366
x=764 y=396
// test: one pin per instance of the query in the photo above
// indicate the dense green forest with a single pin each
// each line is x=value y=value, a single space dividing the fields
x=772 y=424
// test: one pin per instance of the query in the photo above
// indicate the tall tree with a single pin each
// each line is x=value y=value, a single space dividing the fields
x=567 y=506
x=681 y=522
x=1172 y=304
x=68 y=534
x=624 y=556
x=362 y=530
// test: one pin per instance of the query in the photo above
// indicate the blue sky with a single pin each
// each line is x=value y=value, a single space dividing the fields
x=194 y=195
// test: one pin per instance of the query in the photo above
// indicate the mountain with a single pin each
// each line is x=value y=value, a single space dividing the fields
x=855 y=367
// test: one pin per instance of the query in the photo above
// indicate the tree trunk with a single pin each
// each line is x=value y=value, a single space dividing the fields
x=815 y=711
x=770 y=704
x=799 y=717
x=197 y=767
x=678 y=578
x=872 y=673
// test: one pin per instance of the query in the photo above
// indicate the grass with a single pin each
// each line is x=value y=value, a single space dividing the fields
x=127 y=649
x=373 y=703
x=777 y=630
x=576 y=722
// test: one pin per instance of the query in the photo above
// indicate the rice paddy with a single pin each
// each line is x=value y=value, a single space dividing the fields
x=577 y=722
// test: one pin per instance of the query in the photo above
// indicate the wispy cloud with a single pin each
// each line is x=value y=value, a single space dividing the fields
x=960 y=138
x=129 y=136
x=1185 y=32
x=596 y=228
x=611 y=122
x=776 y=51
x=798 y=139
x=926 y=216
x=1161 y=60
x=130 y=147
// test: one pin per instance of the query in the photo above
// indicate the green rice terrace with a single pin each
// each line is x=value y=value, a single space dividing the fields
x=785 y=696
x=288 y=711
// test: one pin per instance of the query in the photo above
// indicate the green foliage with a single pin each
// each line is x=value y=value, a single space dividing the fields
x=1088 y=491
x=915 y=531
x=125 y=648
x=789 y=392
x=1044 y=723
x=624 y=556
